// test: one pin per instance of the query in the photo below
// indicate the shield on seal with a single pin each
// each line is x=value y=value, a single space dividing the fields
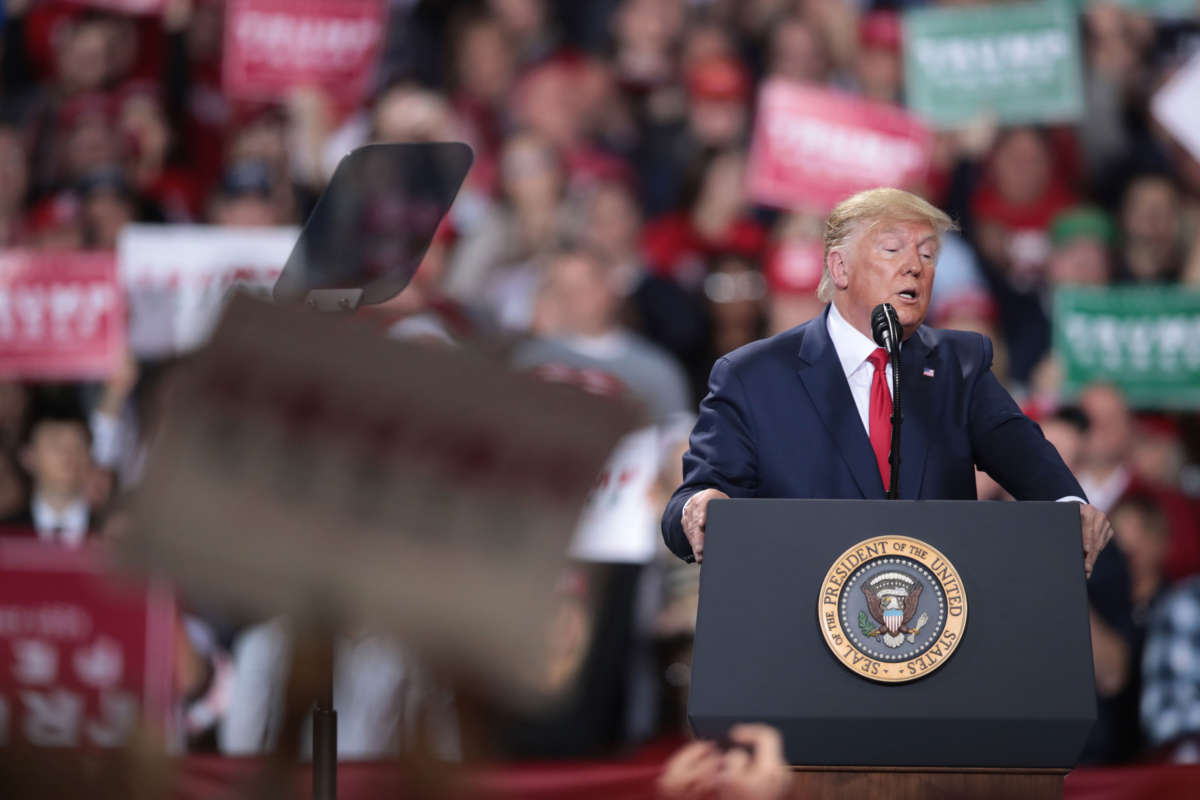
x=892 y=616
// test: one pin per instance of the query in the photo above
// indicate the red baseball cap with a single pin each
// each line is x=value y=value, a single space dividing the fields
x=881 y=29
x=719 y=78
x=54 y=212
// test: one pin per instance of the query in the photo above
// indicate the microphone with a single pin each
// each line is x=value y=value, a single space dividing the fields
x=886 y=327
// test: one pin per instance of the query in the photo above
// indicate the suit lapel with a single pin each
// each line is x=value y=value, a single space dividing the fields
x=823 y=379
x=918 y=395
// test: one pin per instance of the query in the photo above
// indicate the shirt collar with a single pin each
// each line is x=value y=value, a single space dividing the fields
x=73 y=519
x=851 y=346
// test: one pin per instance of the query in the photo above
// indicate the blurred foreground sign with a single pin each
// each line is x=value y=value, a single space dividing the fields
x=1144 y=340
x=813 y=148
x=82 y=659
x=61 y=315
x=272 y=46
x=176 y=277
x=309 y=466
x=1018 y=62
x=128 y=6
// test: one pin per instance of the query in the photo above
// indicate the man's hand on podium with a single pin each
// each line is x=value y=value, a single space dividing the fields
x=1097 y=530
x=695 y=516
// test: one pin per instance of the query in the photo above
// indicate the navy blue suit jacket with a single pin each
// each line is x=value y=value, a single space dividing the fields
x=779 y=421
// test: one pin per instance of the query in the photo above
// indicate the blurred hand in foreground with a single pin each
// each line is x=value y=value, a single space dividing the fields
x=754 y=769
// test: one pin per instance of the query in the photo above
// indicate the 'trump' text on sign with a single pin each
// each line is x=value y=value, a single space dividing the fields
x=1020 y=63
x=62 y=315
x=1145 y=340
x=812 y=148
x=272 y=46
x=176 y=278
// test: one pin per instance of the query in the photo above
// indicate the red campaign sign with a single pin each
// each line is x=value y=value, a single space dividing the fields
x=62 y=315
x=82 y=658
x=813 y=148
x=127 y=6
x=272 y=46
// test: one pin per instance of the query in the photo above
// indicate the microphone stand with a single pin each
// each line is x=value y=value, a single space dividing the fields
x=897 y=418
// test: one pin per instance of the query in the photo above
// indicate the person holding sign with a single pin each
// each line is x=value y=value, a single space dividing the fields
x=807 y=413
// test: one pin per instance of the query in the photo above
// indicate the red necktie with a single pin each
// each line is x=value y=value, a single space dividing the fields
x=881 y=415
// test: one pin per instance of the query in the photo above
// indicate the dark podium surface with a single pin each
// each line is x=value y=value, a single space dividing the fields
x=1017 y=693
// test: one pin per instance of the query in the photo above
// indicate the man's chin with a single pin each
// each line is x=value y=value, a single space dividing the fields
x=910 y=321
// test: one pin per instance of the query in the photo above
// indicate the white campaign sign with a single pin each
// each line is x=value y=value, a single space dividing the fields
x=177 y=277
x=620 y=523
x=1175 y=106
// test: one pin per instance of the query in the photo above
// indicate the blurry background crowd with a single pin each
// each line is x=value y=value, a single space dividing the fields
x=605 y=237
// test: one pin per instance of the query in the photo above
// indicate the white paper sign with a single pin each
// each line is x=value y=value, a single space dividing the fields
x=177 y=276
x=619 y=523
x=1175 y=106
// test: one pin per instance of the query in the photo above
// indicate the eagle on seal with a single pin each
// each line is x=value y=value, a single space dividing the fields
x=892 y=599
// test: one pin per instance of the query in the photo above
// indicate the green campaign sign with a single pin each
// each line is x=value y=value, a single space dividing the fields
x=1162 y=9
x=1020 y=63
x=1145 y=340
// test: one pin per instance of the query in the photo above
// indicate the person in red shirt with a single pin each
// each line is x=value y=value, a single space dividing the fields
x=717 y=220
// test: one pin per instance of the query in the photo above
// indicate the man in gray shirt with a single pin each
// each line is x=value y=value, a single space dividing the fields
x=580 y=339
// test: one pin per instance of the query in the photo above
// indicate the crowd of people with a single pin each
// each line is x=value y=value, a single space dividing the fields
x=604 y=236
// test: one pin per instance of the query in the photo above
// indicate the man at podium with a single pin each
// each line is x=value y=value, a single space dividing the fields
x=807 y=413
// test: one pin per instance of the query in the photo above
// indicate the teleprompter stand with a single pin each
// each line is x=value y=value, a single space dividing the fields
x=362 y=244
x=1005 y=715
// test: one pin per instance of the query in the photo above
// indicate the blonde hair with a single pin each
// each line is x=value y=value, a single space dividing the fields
x=860 y=212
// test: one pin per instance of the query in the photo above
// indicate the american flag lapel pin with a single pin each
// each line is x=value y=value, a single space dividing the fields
x=927 y=372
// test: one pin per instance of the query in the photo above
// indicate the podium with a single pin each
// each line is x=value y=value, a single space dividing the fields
x=903 y=648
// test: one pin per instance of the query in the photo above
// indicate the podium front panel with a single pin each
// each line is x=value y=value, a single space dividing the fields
x=1017 y=692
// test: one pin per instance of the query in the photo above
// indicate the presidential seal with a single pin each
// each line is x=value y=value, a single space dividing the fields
x=892 y=609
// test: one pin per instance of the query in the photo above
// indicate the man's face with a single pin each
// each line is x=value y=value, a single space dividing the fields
x=889 y=262
x=580 y=291
x=1083 y=262
x=613 y=224
x=1110 y=436
x=57 y=457
x=1067 y=440
x=246 y=211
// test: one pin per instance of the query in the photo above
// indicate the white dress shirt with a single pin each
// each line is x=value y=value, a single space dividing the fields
x=68 y=526
x=1105 y=494
x=853 y=349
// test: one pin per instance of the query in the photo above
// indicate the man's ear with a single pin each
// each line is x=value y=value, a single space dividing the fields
x=838 y=270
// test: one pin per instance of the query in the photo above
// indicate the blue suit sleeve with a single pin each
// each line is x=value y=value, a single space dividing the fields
x=1010 y=446
x=721 y=453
